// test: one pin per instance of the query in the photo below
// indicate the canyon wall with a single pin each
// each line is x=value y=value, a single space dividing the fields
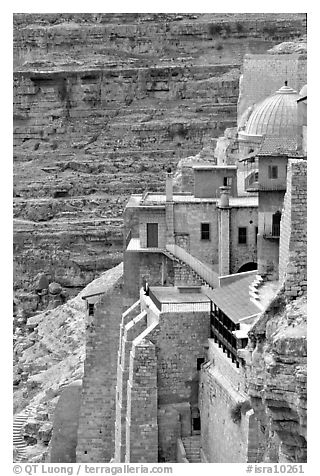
x=103 y=103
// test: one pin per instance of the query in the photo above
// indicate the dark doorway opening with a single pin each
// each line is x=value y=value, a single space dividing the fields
x=276 y=218
x=251 y=266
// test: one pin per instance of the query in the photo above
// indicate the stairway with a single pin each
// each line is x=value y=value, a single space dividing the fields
x=192 y=448
x=190 y=270
x=184 y=274
x=18 y=440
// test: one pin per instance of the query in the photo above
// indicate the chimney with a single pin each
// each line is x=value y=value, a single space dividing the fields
x=224 y=196
x=224 y=231
x=169 y=185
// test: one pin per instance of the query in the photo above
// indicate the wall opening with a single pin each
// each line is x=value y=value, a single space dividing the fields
x=251 y=266
x=276 y=218
x=91 y=309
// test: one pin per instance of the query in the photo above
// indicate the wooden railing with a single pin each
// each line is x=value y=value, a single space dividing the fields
x=207 y=274
x=272 y=231
x=225 y=338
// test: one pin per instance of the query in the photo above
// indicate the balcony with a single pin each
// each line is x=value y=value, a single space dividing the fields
x=224 y=337
x=251 y=183
x=270 y=185
x=272 y=233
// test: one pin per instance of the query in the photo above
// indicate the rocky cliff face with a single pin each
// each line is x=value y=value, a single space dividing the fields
x=277 y=377
x=102 y=104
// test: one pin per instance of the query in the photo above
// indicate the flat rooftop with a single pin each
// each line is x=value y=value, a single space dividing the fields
x=175 y=294
x=154 y=199
x=214 y=167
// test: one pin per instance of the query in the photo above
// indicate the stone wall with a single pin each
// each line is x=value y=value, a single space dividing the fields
x=132 y=325
x=241 y=254
x=180 y=339
x=142 y=424
x=152 y=216
x=95 y=433
x=293 y=238
x=188 y=218
x=229 y=431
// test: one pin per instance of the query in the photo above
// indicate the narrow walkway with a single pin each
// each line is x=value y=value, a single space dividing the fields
x=192 y=448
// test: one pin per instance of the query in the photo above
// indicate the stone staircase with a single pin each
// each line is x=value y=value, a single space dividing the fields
x=18 y=440
x=192 y=446
x=185 y=275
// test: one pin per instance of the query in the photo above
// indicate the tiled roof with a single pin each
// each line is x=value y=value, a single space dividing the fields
x=279 y=146
x=234 y=300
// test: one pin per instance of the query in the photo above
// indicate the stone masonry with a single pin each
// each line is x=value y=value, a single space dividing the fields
x=97 y=412
x=293 y=237
x=142 y=402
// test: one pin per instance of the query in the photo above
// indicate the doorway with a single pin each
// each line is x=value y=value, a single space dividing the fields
x=152 y=235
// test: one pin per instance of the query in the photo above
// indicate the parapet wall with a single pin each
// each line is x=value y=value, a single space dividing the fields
x=293 y=235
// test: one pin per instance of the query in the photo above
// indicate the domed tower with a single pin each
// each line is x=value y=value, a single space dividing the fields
x=276 y=116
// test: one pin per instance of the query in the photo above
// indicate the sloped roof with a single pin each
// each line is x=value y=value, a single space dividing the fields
x=234 y=300
x=279 y=146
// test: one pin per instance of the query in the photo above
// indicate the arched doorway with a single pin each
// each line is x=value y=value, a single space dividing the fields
x=251 y=266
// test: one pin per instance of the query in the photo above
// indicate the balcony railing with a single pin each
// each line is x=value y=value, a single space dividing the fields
x=251 y=182
x=273 y=232
x=225 y=338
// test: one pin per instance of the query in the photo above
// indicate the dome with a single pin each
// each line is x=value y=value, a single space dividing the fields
x=275 y=116
x=303 y=91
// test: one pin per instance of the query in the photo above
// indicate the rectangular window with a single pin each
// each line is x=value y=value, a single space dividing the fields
x=227 y=181
x=205 y=231
x=273 y=171
x=242 y=235
x=257 y=230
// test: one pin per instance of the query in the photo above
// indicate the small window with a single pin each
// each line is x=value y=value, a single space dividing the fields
x=91 y=309
x=200 y=361
x=227 y=181
x=273 y=171
x=205 y=231
x=242 y=236
x=257 y=231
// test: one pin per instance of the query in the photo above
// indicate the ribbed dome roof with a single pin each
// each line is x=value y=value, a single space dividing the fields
x=303 y=91
x=275 y=116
